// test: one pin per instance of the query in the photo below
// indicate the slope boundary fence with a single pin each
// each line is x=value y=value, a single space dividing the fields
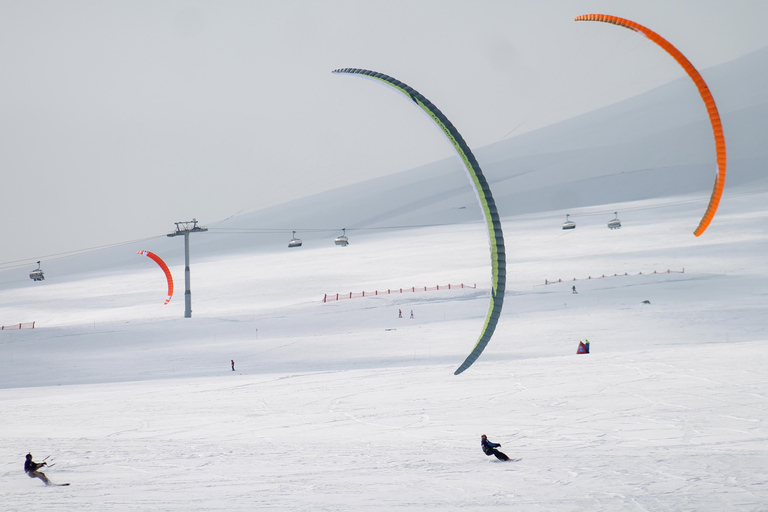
x=332 y=297
x=547 y=281
x=25 y=325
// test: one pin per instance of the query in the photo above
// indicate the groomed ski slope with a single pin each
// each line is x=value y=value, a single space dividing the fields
x=344 y=406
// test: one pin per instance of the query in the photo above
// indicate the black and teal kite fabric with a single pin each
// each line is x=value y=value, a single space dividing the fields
x=483 y=191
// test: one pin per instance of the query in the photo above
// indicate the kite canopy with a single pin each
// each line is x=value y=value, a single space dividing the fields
x=709 y=101
x=483 y=192
x=168 y=276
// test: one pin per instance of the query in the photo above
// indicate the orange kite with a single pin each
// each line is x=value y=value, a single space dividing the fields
x=714 y=117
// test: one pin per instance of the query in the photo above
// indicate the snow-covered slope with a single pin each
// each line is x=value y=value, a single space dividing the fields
x=345 y=406
x=658 y=144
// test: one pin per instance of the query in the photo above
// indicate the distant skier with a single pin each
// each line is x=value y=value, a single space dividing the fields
x=31 y=468
x=574 y=289
x=233 y=365
x=399 y=313
x=411 y=313
x=489 y=448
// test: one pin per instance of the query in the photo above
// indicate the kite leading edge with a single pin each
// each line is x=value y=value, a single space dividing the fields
x=483 y=192
x=165 y=268
x=706 y=95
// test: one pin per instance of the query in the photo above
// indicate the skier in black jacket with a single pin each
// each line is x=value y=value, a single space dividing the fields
x=489 y=448
x=31 y=468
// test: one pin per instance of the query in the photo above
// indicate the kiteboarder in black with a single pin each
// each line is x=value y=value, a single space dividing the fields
x=31 y=468
x=489 y=448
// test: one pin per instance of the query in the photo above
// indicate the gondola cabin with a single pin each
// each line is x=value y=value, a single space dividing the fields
x=37 y=274
x=294 y=242
x=342 y=240
x=568 y=224
x=615 y=223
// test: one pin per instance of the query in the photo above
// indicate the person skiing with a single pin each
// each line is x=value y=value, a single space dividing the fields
x=233 y=365
x=574 y=289
x=489 y=448
x=31 y=468
x=399 y=313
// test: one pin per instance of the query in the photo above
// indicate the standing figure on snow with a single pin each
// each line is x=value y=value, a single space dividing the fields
x=489 y=448
x=233 y=365
x=411 y=313
x=574 y=289
x=31 y=468
x=399 y=313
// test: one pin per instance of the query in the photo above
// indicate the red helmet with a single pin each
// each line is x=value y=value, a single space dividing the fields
x=484 y=436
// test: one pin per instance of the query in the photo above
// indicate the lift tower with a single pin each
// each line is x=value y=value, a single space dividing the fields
x=185 y=228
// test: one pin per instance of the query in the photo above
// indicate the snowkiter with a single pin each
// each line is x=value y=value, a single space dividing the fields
x=31 y=468
x=489 y=448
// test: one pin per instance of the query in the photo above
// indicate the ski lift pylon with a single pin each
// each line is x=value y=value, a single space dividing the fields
x=342 y=240
x=568 y=224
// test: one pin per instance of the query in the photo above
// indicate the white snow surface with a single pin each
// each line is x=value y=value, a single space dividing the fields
x=345 y=406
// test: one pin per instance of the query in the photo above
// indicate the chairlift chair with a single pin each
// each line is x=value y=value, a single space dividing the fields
x=37 y=274
x=615 y=223
x=342 y=240
x=294 y=242
x=568 y=224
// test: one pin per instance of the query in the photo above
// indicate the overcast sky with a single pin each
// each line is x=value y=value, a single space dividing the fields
x=120 y=118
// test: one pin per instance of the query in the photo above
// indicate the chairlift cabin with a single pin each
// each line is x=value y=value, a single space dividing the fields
x=615 y=223
x=342 y=240
x=294 y=242
x=568 y=224
x=37 y=274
